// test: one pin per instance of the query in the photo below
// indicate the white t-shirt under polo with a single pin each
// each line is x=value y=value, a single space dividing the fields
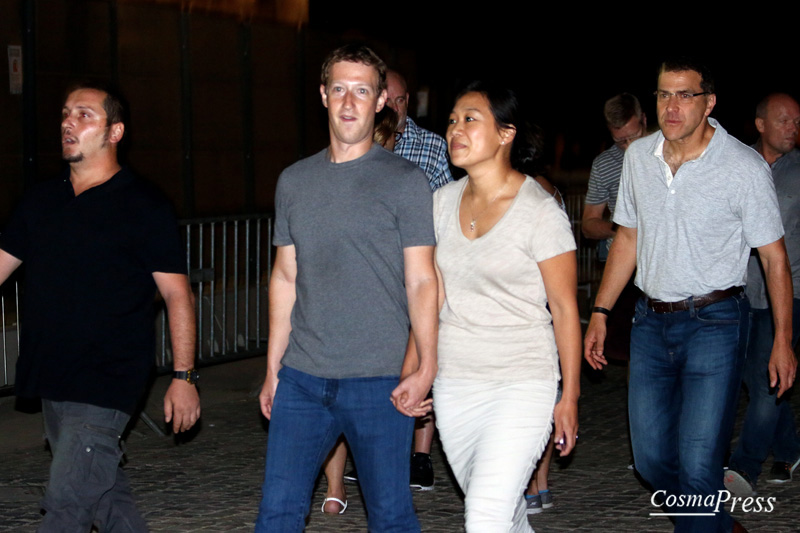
x=494 y=324
x=695 y=232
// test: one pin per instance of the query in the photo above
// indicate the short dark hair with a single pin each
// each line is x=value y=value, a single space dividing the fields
x=507 y=112
x=680 y=64
x=354 y=53
x=619 y=109
x=113 y=103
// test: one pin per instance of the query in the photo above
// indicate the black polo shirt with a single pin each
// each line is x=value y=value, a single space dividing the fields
x=87 y=324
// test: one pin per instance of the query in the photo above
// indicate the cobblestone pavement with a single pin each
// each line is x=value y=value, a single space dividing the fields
x=211 y=482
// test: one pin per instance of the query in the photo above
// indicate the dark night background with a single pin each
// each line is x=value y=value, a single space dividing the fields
x=223 y=100
x=566 y=60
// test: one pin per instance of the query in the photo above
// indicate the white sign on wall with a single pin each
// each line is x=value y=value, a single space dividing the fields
x=15 y=69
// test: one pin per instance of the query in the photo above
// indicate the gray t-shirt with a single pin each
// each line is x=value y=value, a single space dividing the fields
x=694 y=234
x=349 y=223
x=786 y=175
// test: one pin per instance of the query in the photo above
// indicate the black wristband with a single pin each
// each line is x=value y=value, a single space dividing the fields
x=601 y=310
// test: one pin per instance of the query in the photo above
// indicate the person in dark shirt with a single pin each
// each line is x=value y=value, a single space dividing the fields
x=97 y=244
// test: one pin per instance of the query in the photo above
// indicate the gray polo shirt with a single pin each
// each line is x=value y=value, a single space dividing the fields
x=695 y=231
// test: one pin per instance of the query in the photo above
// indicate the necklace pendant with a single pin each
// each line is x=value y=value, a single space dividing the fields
x=472 y=225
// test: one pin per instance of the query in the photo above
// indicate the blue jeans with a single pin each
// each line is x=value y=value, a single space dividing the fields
x=308 y=415
x=769 y=422
x=685 y=373
x=87 y=484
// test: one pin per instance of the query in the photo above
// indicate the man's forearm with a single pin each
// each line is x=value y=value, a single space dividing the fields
x=423 y=313
x=594 y=224
x=778 y=276
x=598 y=228
x=282 y=296
x=179 y=300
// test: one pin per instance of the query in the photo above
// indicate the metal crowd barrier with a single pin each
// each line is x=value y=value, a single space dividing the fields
x=229 y=260
x=589 y=270
x=9 y=333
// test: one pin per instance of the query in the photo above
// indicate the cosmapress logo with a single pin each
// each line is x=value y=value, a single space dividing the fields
x=675 y=504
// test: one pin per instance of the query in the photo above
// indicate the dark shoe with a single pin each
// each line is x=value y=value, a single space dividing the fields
x=421 y=472
x=351 y=476
x=782 y=471
x=533 y=504
x=738 y=483
x=547 y=499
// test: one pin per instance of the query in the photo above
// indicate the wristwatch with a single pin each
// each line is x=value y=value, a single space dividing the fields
x=189 y=376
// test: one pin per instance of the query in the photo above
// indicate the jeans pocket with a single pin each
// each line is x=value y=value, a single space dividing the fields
x=640 y=311
x=724 y=313
x=97 y=456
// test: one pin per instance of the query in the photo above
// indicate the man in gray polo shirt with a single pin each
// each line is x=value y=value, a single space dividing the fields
x=692 y=203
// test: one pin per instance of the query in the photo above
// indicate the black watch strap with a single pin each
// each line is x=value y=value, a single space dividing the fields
x=189 y=376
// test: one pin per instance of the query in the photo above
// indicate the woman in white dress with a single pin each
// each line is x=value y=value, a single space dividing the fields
x=505 y=250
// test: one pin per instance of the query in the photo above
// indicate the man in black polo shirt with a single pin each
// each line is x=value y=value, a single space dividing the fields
x=96 y=244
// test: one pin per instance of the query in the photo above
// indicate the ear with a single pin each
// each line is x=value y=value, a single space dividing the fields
x=381 y=101
x=644 y=123
x=324 y=94
x=116 y=132
x=712 y=101
x=760 y=125
x=507 y=134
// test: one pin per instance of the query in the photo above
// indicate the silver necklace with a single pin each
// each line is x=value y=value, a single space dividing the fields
x=479 y=215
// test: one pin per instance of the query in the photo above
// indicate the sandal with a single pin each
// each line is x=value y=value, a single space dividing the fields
x=343 y=505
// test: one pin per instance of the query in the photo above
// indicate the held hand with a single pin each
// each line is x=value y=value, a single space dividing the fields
x=181 y=405
x=566 y=419
x=422 y=409
x=409 y=397
x=594 y=341
x=782 y=369
x=267 y=394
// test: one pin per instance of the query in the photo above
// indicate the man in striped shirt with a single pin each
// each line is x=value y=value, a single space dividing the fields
x=626 y=123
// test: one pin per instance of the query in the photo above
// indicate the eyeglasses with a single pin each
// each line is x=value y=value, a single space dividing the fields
x=624 y=141
x=683 y=97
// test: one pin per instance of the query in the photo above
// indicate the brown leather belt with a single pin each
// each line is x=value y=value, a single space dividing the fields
x=696 y=301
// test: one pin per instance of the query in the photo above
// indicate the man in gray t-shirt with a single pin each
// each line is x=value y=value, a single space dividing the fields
x=692 y=203
x=353 y=272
